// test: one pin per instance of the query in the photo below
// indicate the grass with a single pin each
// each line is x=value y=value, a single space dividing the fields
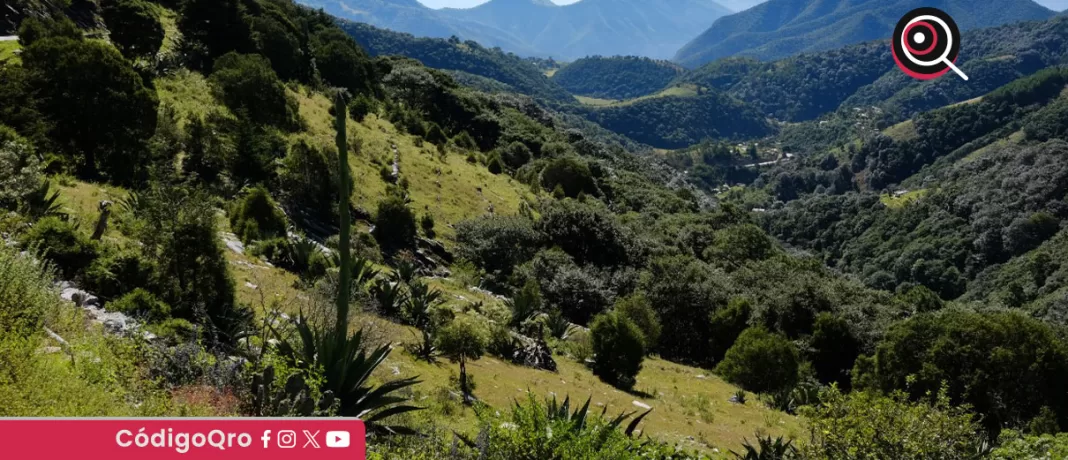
x=189 y=94
x=449 y=188
x=82 y=201
x=903 y=131
x=172 y=38
x=684 y=90
x=898 y=202
x=8 y=52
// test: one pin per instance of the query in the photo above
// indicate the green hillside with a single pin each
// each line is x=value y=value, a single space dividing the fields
x=451 y=54
x=616 y=77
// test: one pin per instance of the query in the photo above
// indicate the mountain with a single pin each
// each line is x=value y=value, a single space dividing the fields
x=616 y=77
x=653 y=28
x=781 y=28
x=810 y=85
x=517 y=75
x=740 y=5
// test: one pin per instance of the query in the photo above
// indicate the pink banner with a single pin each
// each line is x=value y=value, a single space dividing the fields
x=187 y=438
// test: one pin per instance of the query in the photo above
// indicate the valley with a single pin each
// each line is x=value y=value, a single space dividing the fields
x=448 y=222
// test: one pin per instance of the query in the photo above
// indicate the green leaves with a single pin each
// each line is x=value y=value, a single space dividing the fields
x=346 y=368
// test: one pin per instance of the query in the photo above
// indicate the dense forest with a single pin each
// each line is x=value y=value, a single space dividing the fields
x=258 y=217
x=619 y=77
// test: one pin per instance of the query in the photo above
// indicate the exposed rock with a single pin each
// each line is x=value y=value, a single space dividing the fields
x=641 y=405
x=233 y=242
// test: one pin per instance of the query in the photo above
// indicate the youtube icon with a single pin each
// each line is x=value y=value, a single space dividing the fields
x=337 y=439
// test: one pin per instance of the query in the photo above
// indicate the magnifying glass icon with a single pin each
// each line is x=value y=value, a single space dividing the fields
x=926 y=43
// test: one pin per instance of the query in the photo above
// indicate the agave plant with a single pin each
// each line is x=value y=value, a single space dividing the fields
x=559 y=327
x=525 y=304
x=390 y=297
x=577 y=419
x=767 y=449
x=40 y=203
x=346 y=367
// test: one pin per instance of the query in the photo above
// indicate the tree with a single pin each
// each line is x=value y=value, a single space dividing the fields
x=1004 y=364
x=342 y=63
x=308 y=183
x=135 y=27
x=394 y=225
x=99 y=109
x=249 y=86
x=589 y=233
x=637 y=309
x=835 y=349
x=727 y=324
x=570 y=173
x=462 y=340
x=684 y=292
x=279 y=44
x=213 y=28
x=618 y=349
x=760 y=362
x=736 y=245
x=919 y=299
x=178 y=229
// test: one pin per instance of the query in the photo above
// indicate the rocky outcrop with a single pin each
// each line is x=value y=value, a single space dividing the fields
x=533 y=353
x=113 y=322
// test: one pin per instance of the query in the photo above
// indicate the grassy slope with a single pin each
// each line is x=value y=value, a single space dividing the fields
x=7 y=51
x=683 y=90
x=685 y=406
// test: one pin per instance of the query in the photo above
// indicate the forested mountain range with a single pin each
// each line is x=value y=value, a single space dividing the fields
x=781 y=28
x=652 y=28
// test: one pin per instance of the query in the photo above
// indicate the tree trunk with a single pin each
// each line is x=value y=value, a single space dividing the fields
x=463 y=379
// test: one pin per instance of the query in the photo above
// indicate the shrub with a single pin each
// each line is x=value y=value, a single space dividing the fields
x=394 y=225
x=361 y=106
x=427 y=223
x=435 y=135
x=493 y=164
x=28 y=295
x=465 y=141
x=618 y=349
x=63 y=245
x=637 y=309
x=116 y=273
x=761 y=362
x=277 y=251
x=571 y=174
x=515 y=155
x=497 y=244
x=867 y=425
x=143 y=304
x=256 y=216
x=1017 y=447
x=20 y=172
x=684 y=292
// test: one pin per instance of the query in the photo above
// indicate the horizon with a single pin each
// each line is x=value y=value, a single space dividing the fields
x=439 y=4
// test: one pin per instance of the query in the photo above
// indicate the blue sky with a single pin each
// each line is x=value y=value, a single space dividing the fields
x=470 y=3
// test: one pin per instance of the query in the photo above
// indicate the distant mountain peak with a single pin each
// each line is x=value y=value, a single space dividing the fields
x=780 y=28
x=652 y=28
